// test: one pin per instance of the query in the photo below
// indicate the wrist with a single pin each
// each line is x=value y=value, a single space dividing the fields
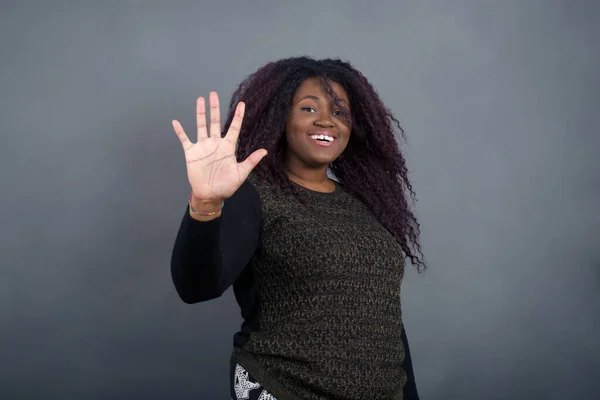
x=204 y=208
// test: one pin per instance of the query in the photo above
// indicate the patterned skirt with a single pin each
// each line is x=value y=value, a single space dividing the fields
x=245 y=387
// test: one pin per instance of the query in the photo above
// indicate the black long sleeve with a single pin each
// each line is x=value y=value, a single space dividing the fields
x=209 y=256
x=410 y=388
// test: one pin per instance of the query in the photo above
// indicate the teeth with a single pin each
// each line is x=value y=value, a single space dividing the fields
x=322 y=137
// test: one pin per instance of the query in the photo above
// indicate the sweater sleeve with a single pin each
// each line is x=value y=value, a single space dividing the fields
x=208 y=257
x=410 y=388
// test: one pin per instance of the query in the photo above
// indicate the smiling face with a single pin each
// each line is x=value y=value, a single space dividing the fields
x=317 y=130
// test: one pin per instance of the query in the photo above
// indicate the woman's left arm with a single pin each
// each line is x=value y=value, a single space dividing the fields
x=410 y=388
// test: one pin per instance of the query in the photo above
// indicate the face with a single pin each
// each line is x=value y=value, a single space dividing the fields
x=317 y=131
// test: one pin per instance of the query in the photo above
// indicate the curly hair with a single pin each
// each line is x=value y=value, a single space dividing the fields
x=371 y=168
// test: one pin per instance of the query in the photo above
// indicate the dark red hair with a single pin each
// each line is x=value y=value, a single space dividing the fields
x=372 y=168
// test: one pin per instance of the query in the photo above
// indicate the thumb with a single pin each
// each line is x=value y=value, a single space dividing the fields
x=252 y=161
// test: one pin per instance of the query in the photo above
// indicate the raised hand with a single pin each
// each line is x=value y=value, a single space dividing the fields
x=212 y=168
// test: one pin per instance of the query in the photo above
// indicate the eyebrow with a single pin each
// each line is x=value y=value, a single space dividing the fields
x=310 y=96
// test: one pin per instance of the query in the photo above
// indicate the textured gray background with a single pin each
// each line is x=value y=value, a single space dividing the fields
x=500 y=100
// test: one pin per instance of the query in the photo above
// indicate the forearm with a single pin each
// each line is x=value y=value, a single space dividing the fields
x=196 y=264
x=210 y=252
x=206 y=207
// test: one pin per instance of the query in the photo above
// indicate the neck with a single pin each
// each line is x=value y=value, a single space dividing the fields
x=311 y=178
x=308 y=177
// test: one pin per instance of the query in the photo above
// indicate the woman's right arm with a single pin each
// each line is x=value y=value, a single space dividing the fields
x=208 y=256
x=211 y=252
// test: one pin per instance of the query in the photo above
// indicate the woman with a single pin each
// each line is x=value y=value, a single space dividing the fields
x=315 y=263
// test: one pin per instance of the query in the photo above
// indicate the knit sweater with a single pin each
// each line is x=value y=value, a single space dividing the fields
x=318 y=284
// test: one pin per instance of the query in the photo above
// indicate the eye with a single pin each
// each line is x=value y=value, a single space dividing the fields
x=308 y=109
x=338 y=113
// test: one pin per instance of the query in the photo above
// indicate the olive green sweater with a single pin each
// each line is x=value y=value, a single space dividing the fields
x=319 y=289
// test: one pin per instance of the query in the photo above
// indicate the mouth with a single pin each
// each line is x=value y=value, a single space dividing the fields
x=325 y=139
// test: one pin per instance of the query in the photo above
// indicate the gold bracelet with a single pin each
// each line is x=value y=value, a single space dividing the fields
x=210 y=214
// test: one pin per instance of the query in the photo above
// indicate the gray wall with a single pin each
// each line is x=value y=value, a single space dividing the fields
x=500 y=102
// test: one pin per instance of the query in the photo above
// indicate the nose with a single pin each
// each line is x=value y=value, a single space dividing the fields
x=324 y=122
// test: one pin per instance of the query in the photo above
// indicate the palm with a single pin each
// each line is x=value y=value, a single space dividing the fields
x=212 y=168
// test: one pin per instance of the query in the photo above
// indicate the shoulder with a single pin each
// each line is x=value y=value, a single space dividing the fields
x=248 y=190
x=245 y=199
x=264 y=190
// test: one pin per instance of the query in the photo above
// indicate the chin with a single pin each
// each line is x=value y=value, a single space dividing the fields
x=321 y=161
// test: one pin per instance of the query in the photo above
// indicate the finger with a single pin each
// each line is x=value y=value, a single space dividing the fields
x=249 y=163
x=215 y=116
x=201 y=118
x=183 y=138
x=236 y=123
